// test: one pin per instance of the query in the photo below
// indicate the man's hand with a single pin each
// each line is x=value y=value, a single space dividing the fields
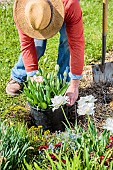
x=73 y=91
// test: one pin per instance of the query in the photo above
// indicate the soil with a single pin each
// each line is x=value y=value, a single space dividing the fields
x=104 y=104
x=103 y=92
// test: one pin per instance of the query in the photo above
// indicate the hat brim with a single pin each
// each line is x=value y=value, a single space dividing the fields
x=50 y=30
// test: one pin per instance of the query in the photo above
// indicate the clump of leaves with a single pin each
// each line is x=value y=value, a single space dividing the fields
x=14 y=143
x=40 y=94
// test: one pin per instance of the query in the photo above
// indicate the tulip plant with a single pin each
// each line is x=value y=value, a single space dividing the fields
x=40 y=94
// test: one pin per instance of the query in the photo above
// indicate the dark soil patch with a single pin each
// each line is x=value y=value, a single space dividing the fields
x=102 y=92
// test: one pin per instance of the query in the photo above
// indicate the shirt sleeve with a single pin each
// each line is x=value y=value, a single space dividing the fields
x=29 y=53
x=75 y=33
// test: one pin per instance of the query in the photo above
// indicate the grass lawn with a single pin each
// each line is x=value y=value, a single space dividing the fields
x=10 y=48
x=92 y=16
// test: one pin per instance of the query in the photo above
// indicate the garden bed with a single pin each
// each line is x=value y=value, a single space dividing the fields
x=102 y=92
x=103 y=106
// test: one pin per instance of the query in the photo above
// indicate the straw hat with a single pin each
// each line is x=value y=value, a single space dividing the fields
x=40 y=19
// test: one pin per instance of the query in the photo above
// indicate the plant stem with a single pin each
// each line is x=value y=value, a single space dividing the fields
x=66 y=117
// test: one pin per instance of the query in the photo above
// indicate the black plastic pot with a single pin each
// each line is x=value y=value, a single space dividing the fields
x=49 y=119
x=40 y=117
x=58 y=119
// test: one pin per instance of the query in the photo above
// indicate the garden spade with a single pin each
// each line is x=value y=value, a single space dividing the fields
x=103 y=72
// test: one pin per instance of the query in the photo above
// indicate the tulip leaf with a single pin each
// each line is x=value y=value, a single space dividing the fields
x=63 y=89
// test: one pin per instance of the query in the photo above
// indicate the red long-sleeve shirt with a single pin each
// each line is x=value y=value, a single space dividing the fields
x=75 y=34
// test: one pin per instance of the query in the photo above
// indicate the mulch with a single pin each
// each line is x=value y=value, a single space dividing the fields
x=104 y=95
x=103 y=92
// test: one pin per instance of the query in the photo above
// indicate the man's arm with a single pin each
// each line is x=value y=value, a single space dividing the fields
x=75 y=33
x=29 y=53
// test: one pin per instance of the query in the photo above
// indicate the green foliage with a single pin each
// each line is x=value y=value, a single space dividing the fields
x=14 y=143
x=13 y=139
x=40 y=94
x=75 y=149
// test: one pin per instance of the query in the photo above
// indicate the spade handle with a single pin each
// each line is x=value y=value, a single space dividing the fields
x=104 y=29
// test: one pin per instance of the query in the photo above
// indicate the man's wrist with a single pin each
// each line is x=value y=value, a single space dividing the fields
x=74 y=76
x=74 y=83
x=31 y=74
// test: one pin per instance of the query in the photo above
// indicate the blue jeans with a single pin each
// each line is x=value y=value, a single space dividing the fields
x=18 y=72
